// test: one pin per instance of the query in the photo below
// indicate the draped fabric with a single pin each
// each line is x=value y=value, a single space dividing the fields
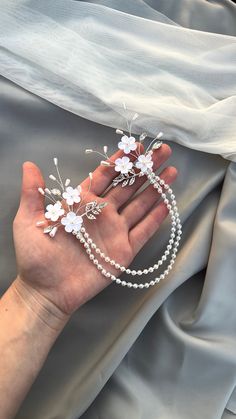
x=169 y=351
x=90 y=57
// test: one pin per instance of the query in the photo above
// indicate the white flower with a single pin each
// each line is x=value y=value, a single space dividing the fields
x=144 y=162
x=72 y=195
x=54 y=211
x=127 y=144
x=123 y=164
x=72 y=222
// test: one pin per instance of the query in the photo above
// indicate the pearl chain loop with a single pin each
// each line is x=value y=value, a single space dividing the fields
x=89 y=245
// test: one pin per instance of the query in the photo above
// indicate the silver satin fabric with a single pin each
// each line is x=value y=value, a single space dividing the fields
x=90 y=57
x=163 y=353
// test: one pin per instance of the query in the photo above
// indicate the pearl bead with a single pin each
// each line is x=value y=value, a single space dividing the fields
x=122 y=269
x=104 y=272
x=152 y=283
x=129 y=284
x=133 y=272
x=128 y=271
x=146 y=285
x=93 y=246
x=117 y=265
x=123 y=283
x=139 y=272
x=112 y=262
x=118 y=281
x=135 y=286
x=141 y=286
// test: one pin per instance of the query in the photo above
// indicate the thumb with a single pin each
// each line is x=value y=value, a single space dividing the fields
x=32 y=202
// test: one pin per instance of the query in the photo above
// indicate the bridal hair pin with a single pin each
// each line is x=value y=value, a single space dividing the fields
x=72 y=217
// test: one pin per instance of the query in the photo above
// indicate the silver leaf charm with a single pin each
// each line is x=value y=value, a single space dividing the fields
x=132 y=180
x=125 y=183
x=91 y=217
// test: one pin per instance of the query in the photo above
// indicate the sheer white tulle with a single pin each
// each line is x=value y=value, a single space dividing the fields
x=89 y=58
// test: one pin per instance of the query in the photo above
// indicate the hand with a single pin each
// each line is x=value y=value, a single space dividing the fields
x=59 y=269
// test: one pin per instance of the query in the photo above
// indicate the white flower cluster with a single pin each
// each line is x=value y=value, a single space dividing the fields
x=63 y=213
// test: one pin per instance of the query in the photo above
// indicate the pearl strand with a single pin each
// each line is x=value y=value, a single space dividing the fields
x=176 y=219
x=175 y=222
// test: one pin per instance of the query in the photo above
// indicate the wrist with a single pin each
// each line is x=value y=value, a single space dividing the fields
x=39 y=307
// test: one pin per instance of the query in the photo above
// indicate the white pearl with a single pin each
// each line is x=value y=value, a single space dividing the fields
x=141 y=286
x=128 y=271
x=133 y=272
x=91 y=257
x=117 y=265
x=152 y=283
x=129 y=284
x=118 y=281
x=107 y=259
x=146 y=285
x=104 y=272
x=112 y=262
x=135 y=285
x=123 y=283
x=122 y=269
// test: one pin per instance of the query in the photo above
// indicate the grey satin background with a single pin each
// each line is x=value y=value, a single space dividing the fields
x=163 y=353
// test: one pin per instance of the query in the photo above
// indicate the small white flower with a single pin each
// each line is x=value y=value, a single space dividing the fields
x=144 y=162
x=72 y=195
x=127 y=144
x=54 y=211
x=72 y=222
x=123 y=164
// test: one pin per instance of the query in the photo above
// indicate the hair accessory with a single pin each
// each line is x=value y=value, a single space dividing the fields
x=70 y=213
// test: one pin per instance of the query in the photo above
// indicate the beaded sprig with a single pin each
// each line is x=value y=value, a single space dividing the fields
x=62 y=212
x=66 y=215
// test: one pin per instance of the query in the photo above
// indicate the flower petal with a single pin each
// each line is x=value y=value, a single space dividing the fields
x=69 y=228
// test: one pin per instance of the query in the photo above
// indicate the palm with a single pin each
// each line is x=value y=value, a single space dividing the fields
x=59 y=268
